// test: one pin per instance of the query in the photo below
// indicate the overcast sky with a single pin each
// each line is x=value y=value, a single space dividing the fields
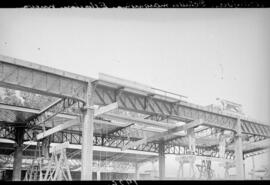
x=200 y=53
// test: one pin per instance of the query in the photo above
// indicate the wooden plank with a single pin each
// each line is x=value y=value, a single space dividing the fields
x=34 y=111
x=138 y=121
x=75 y=122
x=166 y=133
x=106 y=109
x=58 y=128
x=50 y=106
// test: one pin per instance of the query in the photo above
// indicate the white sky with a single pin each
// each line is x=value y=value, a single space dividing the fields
x=200 y=53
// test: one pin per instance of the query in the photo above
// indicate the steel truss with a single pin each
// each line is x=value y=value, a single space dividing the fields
x=112 y=141
x=50 y=111
x=250 y=154
x=74 y=137
x=23 y=75
x=118 y=140
x=180 y=111
x=7 y=132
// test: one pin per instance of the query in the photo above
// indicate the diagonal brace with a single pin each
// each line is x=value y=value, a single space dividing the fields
x=76 y=121
x=166 y=133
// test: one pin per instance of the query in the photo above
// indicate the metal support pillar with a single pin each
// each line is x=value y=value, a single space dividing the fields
x=191 y=140
x=87 y=136
x=153 y=174
x=239 y=153
x=98 y=176
x=137 y=175
x=253 y=168
x=45 y=148
x=18 y=154
x=161 y=160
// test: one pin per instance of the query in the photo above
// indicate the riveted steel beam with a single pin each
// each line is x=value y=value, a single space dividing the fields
x=181 y=111
x=27 y=76
x=23 y=75
x=49 y=112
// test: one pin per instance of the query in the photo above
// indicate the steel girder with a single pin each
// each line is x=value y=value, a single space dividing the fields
x=181 y=111
x=129 y=131
x=201 y=133
x=117 y=141
x=199 y=151
x=49 y=112
x=250 y=154
x=23 y=75
x=109 y=141
x=7 y=132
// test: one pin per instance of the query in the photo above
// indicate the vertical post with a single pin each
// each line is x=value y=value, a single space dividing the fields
x=137 y=175
x=153 y=170
x=98 y=175
x=18 y=154
x=45 y=147
x=161 y=160
x=239 y=152
x=253 y=168
x=87 y=136
x=222 y=145
x=191 y=140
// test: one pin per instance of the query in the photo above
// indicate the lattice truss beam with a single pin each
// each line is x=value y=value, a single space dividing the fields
x=7 y=132
x=50 y=111
x=181 y=111
x=121 y=136
x=22 y=75
x=118 y=138
x=117 y=141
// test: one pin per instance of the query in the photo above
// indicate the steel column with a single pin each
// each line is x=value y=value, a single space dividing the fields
x=253 y=168
x=87 y=136
x=98 y=175
x=18 y=154
x=161 y=160
x=239 y=153
x=137 y=175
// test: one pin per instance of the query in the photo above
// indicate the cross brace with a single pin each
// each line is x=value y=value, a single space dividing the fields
x=166 y=133
x=75 y=122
